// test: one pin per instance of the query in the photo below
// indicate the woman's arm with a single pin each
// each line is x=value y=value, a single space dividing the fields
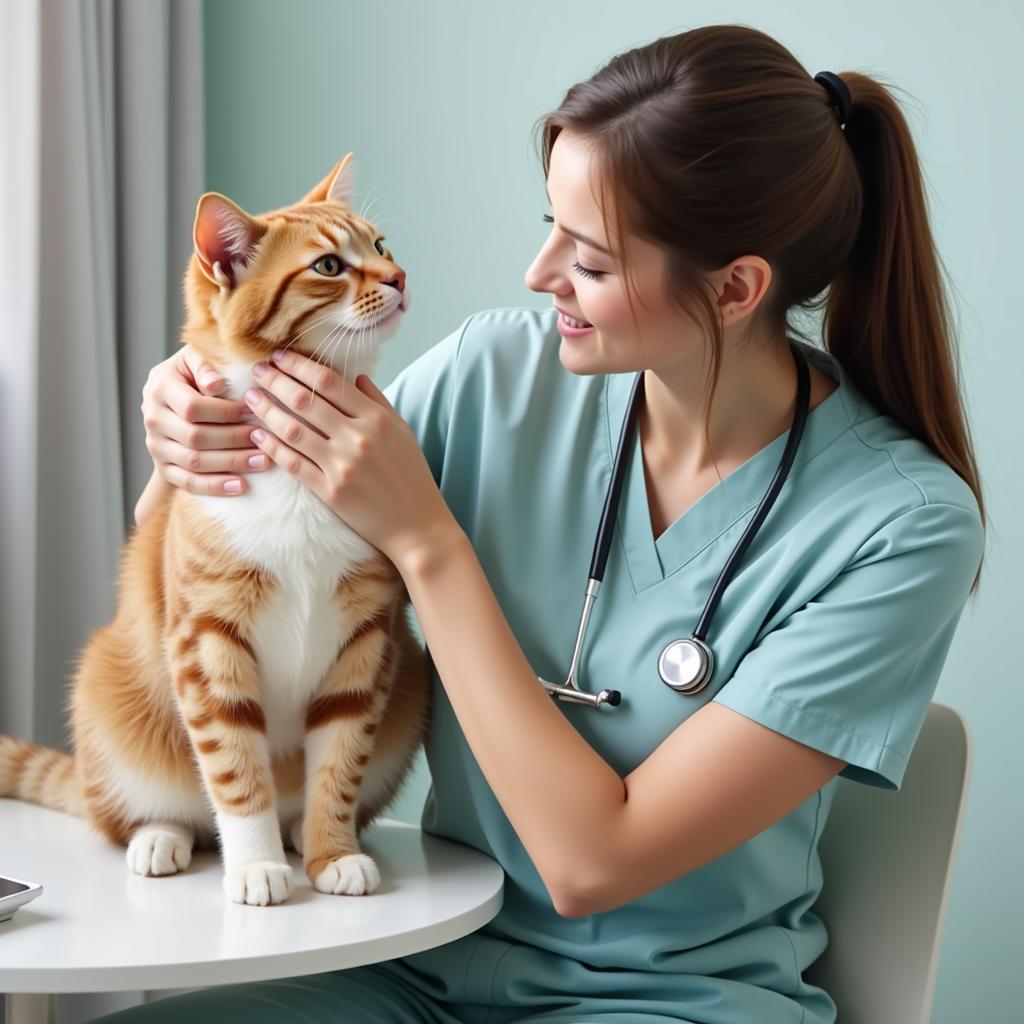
x=597 y=840
x=560 y=795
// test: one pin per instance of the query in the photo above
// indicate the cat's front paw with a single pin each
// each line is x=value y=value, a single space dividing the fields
x=159 y=850
x=261 y=883
x=355 y=874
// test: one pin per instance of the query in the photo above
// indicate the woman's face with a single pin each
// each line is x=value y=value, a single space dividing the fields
x=585 y=281
x=566 y=264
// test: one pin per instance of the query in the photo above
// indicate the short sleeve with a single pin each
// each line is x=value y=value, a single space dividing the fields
x=423 y=392
x=853 y=671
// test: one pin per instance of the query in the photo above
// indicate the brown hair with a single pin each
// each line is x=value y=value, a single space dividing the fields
x=715 y=143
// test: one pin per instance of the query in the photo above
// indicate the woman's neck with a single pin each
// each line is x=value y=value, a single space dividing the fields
x=753 y=404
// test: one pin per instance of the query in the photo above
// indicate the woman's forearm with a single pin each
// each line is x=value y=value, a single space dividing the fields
x=156 y=490
x=560 y=795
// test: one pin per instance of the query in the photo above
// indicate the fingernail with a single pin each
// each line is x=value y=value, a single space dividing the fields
x=257 y=461
x=258 y=369
x=209 y=380
x=277 y=355
x=233 y=486
x=256 y=436
x=252 y=396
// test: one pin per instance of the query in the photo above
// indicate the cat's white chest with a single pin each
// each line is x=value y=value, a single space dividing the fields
x=285 y=529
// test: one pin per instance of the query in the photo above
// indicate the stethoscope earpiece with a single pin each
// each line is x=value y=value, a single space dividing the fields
x=684 y=665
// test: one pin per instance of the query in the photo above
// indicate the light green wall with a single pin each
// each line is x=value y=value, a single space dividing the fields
x=436 y=101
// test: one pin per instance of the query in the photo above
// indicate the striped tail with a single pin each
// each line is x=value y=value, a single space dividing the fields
x=39 y=775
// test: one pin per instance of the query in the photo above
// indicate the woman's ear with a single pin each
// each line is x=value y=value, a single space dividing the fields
x=337 y=187
x=225 y=238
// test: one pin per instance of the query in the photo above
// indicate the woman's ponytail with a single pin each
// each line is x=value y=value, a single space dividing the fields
x=887 y=317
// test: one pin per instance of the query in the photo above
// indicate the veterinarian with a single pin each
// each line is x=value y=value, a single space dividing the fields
x=660 y=853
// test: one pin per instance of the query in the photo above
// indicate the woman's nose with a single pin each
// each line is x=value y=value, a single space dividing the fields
x=539 y=279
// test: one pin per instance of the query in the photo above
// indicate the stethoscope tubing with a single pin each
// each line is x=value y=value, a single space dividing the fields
x=696 y=644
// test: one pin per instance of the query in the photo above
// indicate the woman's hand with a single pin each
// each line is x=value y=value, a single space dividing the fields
x=186 y=432
x=349 y=446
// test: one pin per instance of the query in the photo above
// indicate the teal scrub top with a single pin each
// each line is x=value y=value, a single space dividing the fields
x=833 y=632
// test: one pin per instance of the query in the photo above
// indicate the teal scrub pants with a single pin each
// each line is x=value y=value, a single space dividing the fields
x=360 y=995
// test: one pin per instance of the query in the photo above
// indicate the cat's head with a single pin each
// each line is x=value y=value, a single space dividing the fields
x=313 y=276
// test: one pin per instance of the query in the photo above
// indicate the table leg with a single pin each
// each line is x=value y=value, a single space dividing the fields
x=30 y=1009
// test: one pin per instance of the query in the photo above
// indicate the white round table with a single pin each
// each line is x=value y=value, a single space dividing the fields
x=97 y=927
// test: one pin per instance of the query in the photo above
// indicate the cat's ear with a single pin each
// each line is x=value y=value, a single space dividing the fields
x=225 y=238
x=337 y=187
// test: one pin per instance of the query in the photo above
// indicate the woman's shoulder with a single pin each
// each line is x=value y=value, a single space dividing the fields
x=497 y=373
x=517 y=334
x=898 y=470
x=508 y=367
x=886 y=496
x=875 y=461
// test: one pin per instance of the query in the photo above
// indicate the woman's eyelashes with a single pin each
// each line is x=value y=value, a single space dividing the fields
x=585 y=271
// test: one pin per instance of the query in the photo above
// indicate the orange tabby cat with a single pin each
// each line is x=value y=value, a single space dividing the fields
x=260 y=673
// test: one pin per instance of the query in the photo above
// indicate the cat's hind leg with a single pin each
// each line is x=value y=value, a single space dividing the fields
x=160 y=848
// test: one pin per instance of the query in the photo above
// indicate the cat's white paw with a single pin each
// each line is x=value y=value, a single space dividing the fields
x=295 y=835
x=261 y=883
x=159 y=850
x=352 y=875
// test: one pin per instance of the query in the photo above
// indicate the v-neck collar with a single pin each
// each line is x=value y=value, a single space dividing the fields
x=732 y=498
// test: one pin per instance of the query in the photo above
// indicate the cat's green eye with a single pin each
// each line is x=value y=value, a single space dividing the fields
x=329 y=266
x=379 y=247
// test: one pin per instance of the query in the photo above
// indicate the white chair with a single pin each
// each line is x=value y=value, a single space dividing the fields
x=887 y=858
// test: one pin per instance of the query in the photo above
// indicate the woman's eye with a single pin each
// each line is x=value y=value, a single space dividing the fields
x=379 y=247
x=329 y=266
x=585 y=271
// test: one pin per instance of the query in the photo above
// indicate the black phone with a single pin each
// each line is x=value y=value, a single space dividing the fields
x=14 y=893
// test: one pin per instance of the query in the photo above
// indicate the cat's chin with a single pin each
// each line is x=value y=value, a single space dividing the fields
x=343 y=355
x=384 y=329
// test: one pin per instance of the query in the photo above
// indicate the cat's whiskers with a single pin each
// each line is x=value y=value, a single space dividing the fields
x=325 y=339
x=323 y=345
x=359 y=345
x=348 y=349
x=359 y=342
x=316 y=323
x=329 y=360
x=368 y=216
x=377 y=221
x=370 y=219
x=367 y=199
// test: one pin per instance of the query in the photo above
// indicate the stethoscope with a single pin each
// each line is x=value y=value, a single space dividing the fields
x=685 y=665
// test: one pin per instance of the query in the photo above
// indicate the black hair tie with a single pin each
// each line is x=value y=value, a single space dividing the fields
x=840 y=94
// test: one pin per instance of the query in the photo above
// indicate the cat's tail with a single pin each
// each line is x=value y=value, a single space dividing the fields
x=40 y=775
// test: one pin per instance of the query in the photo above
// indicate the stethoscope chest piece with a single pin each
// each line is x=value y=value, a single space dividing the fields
x=686 y=665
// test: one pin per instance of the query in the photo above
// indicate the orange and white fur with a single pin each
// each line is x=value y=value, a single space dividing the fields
x=260 y=677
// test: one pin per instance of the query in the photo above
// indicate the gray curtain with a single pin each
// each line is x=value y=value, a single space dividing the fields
x=115 y=168
x=101 y=116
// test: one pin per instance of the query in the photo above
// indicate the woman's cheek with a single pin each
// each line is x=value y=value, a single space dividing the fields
x=604 y=310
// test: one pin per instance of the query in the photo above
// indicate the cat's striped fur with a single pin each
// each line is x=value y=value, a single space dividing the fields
x=260 y=674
